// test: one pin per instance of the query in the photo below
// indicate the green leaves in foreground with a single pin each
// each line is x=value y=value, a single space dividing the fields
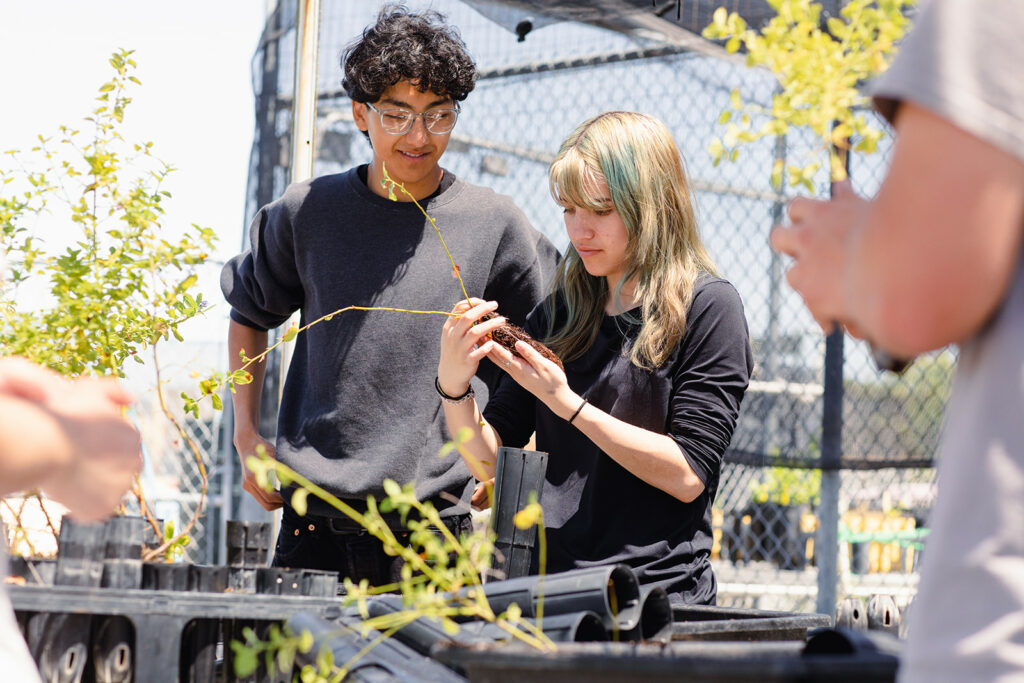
x=819 y=67
x=119 y=284
x=441 y=574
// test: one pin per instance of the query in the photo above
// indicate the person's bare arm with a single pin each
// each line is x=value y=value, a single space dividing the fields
x=463 y=344
x=654 y=458
x=246 y=408
x=939 y=244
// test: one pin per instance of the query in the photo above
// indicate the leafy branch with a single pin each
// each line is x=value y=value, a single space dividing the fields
x=819 y=66
x=121 y=286
x=441 y=574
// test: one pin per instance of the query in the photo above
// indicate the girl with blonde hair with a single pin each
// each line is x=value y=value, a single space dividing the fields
x=656 y=360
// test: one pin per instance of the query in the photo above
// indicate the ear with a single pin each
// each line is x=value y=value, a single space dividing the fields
x=359 y=115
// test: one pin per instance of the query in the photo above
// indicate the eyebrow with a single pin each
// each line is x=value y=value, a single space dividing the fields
x=436 y=103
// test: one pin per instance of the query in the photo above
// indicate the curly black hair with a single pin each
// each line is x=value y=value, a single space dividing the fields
x=401 y=46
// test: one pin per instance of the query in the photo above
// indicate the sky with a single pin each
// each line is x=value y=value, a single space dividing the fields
x=195 y=103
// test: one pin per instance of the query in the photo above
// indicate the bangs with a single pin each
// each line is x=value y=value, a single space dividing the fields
x=575 y=182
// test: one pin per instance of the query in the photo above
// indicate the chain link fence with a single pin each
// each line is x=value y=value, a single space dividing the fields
x=530 y=96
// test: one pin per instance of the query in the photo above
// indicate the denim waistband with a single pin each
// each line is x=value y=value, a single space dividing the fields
x=345 y=525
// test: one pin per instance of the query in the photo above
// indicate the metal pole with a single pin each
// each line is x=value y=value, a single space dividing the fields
x=307 y=48
x=238 y=504
x=827 y=545
x=770 y=433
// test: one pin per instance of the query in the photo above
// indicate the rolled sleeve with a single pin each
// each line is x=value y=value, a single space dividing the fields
x=262 y=285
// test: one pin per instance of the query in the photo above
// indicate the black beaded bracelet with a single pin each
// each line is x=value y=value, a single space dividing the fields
x=453 y=400
x=574 y=415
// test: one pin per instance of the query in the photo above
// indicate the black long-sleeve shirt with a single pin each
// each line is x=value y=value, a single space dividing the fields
x=596 y=512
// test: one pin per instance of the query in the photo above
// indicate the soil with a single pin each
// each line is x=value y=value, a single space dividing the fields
x=508 y=334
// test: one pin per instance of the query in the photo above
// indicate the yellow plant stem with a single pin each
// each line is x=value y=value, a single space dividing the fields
x=290 y=335
x=388 y=180
x=542 y=562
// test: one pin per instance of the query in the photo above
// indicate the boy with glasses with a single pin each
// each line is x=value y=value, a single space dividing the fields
x=358 y=405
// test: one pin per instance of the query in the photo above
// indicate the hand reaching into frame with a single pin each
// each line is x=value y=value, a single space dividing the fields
x=817 y=239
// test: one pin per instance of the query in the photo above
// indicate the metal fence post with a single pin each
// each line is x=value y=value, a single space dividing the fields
x=827 y=544
x=831 y=455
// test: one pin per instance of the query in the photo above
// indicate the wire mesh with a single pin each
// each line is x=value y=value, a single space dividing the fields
x=530 y=96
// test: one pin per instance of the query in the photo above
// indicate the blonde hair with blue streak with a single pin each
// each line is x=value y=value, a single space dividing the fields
x=636 y=157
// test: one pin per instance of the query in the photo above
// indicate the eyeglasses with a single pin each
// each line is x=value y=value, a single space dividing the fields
x=399 y=121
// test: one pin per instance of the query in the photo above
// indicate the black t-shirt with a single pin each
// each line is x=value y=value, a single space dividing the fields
x=595 y=511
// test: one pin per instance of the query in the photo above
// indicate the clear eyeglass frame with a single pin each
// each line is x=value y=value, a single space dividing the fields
x=397 y=121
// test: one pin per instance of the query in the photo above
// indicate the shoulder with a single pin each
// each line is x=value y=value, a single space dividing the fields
x=315 y=190
x=465 y=196
x=713 y=292
x=517 y=236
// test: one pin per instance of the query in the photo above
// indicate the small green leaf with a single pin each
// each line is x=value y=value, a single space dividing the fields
x=299 y=501
x=392 y=489
x=305 y=641
x=245 y=660
x=529 y=516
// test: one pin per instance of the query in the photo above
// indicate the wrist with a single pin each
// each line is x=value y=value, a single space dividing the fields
x=448 y=387
x=564 y=404
x=453 y=398
x=246 y=439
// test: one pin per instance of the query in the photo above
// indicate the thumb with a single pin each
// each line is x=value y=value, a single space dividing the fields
x=843 y=189
x=117 y=394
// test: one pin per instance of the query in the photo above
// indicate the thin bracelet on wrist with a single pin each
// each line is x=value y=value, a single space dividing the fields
x=576 y=414
x=453 y=400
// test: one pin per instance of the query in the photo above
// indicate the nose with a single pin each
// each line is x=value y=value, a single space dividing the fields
x=576 y=225
x=418 y=134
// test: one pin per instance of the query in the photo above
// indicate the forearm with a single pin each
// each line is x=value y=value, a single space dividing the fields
x=653 y=458
x=246 y=399
x=480 y=451
x=33 y=445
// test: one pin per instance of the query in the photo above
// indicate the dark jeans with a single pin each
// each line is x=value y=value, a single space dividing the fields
x=313 y=542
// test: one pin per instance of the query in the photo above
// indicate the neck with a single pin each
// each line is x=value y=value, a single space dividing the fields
x=626 y=299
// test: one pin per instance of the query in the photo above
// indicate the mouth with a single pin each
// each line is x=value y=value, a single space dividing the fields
x=414 y=156
x=584 y=252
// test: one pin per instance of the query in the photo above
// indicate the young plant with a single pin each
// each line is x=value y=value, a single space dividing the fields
x=819 y=66
x=441 y=577
x=121 y=286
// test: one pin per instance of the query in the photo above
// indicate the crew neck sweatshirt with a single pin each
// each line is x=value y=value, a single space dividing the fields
x=359 y=404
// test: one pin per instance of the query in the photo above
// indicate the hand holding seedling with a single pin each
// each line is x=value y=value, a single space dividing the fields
x=537 y=374
x=464 y=343
x=268 y=499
